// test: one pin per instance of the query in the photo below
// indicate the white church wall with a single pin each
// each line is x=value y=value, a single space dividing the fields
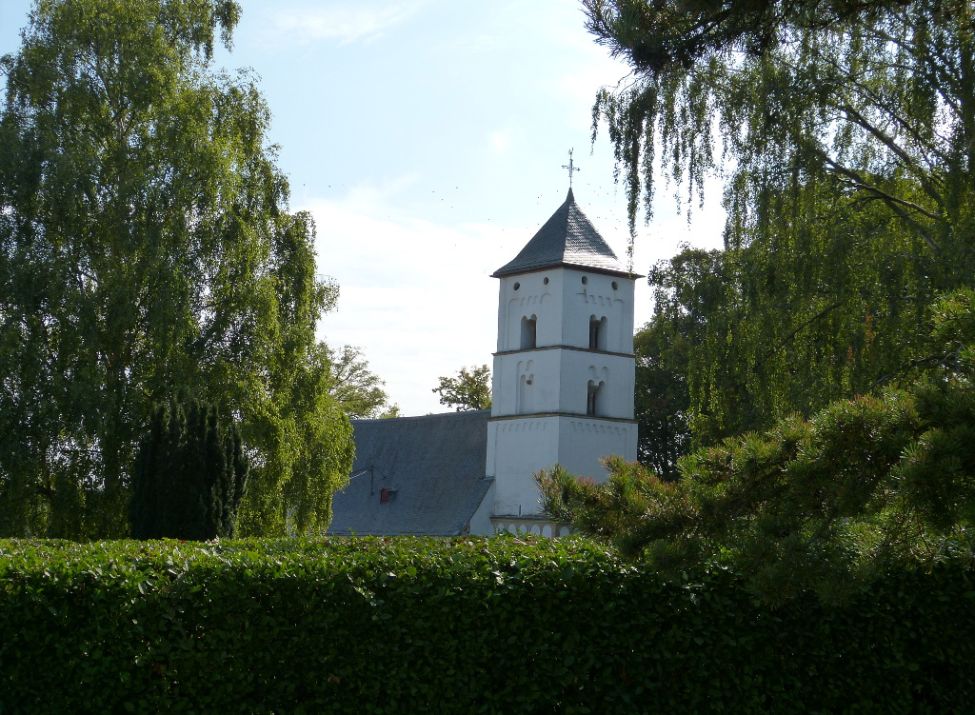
x=533 y=524
x=525 y=296
x=517 y=448
x=526 y=382
x=584 y=443
x=587 y=294
x=613 y=374
x=563 y=306
x=553 y=380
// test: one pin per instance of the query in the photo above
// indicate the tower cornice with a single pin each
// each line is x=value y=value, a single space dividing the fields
x=572 y=266
x=573 y=415
x=575 y=348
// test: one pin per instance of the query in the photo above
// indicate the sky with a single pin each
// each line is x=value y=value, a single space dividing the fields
x=427 y=138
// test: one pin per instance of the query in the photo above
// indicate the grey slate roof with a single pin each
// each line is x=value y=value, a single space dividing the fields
x=567 y=239
x=434 y=463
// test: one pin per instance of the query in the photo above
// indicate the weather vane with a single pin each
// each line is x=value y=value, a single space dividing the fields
x=571 y=167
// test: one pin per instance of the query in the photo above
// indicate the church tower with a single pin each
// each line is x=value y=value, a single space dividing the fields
x=563 y=382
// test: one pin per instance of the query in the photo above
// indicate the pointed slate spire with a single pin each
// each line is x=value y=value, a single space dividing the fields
x=566 y=239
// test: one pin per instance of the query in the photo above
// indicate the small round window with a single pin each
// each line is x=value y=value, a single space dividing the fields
x=584 y=280
x=517 y=286
x=615 y=285
x=545 y=281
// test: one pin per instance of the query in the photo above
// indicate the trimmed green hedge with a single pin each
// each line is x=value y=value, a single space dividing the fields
x=466 y=626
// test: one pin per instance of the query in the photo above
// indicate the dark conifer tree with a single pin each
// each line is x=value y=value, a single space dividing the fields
x=189 y=476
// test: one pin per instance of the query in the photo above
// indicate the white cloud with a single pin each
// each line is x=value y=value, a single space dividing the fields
x=416 y=296
x=364 y=198
x=585 y=67
x=578 y=86
x=500 y=140
x=344 y=22
x=581 y=85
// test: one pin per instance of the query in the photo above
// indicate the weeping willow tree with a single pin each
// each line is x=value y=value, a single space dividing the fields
x=845 y=134
x=875 y=96
x=828 y=309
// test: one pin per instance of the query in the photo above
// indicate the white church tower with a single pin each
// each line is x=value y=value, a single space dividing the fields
x=563 y=380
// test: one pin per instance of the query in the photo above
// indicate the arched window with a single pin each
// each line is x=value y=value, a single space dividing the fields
x=528 y=327
x=597 y=333
x=592 y=399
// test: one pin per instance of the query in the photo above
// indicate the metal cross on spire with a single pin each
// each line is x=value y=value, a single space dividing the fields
x=571 y=167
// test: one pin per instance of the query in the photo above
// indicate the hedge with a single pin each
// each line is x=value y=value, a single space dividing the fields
x=469 y=626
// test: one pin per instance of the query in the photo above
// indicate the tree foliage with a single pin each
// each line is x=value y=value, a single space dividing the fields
x=872 y=96
x=822 y=503
x=358 y=390
x=827 y=310
x=145 y=249
x=661 y=398
x=469 y=390
x=190 y=474
x=844 y=131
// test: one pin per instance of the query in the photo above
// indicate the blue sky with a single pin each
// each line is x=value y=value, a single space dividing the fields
x=427 y=138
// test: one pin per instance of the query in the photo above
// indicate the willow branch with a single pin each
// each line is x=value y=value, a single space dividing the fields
x=888 y=141
x=802 y=326
x=860 y=182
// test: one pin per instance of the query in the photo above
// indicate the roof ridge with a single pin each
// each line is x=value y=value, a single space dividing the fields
x=431 y=415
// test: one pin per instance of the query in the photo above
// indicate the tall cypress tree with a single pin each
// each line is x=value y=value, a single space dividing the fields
x=189 y=475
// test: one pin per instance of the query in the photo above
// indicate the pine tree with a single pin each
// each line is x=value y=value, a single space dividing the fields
x=825 y=503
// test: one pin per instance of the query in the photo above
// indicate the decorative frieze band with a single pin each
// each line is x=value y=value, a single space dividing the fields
x=515 y=525
x=523 y=426
x=589 y=427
